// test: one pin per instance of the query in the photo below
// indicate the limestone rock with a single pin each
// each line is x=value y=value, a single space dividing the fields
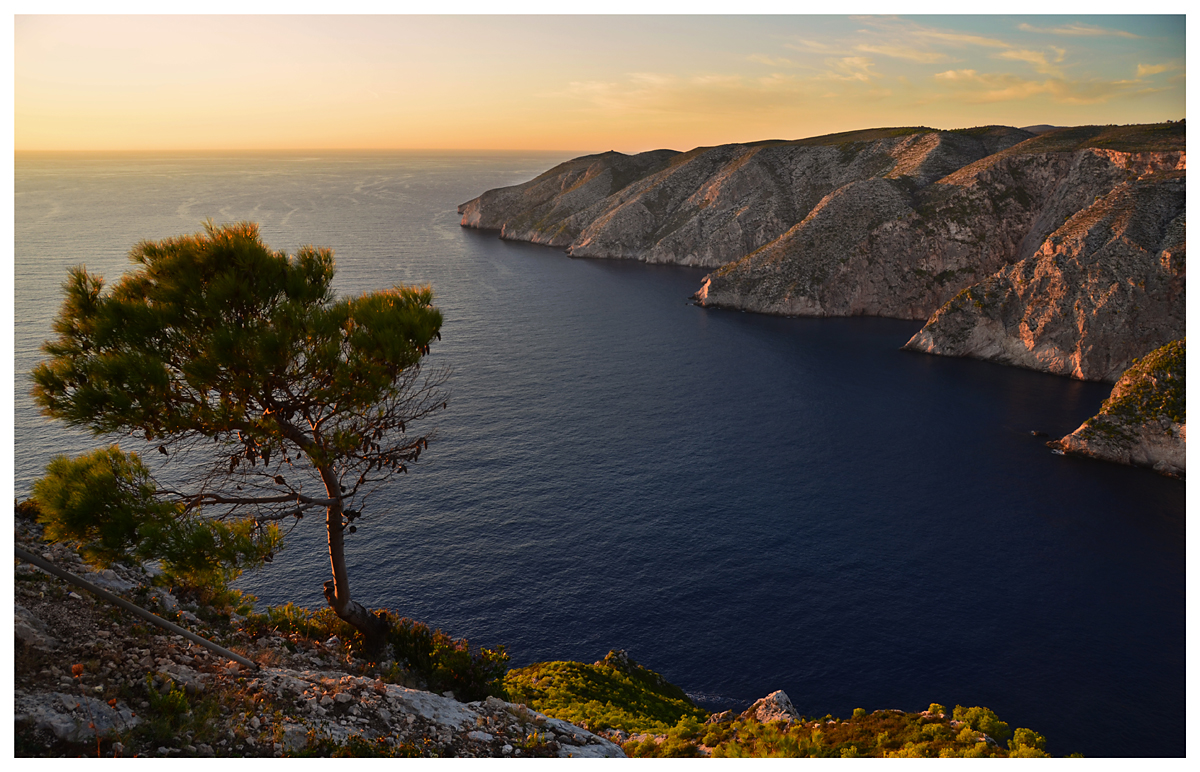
x=1106 y=287
x=903 y=252
x=306 y=694
x=1070 y=242
x=73 y=718
x=31 y=631
x=712 y=205
x=774 y=707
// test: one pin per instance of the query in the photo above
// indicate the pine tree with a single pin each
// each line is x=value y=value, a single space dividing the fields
x=217 y=347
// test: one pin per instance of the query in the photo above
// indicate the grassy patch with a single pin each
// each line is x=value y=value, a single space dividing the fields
x=616 y=693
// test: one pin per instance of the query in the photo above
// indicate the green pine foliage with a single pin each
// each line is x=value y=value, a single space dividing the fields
x=104 y=503
x=305 y=402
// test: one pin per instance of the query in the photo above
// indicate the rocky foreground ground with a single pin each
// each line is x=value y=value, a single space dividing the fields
x=92 y=679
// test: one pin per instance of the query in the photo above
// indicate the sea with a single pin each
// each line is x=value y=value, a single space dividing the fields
x=743 y=503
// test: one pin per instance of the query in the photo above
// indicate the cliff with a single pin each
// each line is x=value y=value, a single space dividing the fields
x=1143 y=422
x=709 y=206
x=898 y=223
x=1106 y=287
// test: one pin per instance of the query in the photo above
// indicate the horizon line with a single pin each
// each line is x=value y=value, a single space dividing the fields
x=344 y=149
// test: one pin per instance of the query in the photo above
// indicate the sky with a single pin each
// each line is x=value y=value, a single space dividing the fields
x=572 y=83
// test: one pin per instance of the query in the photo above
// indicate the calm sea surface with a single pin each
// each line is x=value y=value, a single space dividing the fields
x=744 y=503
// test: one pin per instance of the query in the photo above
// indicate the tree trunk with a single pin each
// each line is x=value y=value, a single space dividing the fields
x=337 y=589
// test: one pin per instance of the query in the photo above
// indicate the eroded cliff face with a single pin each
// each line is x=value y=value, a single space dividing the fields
x=1143 y=422
x=880 y=247
x=710 y=206
x=1062 y=252
x=1106 y=287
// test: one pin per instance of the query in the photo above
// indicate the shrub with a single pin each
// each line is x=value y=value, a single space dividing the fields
x=105 y=503
x=983 y=720
x=444 y=663
x=1027 y=740
x=615 y=693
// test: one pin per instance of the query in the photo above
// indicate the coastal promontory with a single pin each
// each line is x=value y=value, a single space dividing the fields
x=1068 y=243
x=1056 y=249
x=1143 y=422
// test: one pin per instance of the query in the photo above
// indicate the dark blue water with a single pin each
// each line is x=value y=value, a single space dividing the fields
x=744 y=503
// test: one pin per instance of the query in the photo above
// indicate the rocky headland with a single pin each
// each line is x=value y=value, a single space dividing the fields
x=1061 y=251
x=1143 y=422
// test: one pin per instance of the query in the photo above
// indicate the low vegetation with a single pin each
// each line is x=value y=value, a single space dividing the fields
x=1158 y=137
x=615 y=693
x=1154 y=387
x=967 y=733
x=659 y=720
x=413 y=654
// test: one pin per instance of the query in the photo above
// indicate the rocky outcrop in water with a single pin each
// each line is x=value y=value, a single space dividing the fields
x=1143 y=422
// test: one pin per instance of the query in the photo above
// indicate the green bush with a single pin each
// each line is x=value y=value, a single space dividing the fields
x=983 y=720
x=444 y=663
x=1027 y=743
x=616 y=693
x=884 y=733
x=173 y=713
x=105 y=503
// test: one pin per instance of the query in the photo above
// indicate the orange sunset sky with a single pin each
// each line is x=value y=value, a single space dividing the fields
x=585 y=83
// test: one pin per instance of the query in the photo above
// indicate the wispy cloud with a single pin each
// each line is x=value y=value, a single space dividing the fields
x=990 y=87
x=903 y=52
x=850 y=68
x=960 y=38
x=1077 y=28
x=1153 y=69
x=659 y=94
x=902 y=34
x=814 y=46
x=1038 y=59
x=982 y=88
x=772 y=61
